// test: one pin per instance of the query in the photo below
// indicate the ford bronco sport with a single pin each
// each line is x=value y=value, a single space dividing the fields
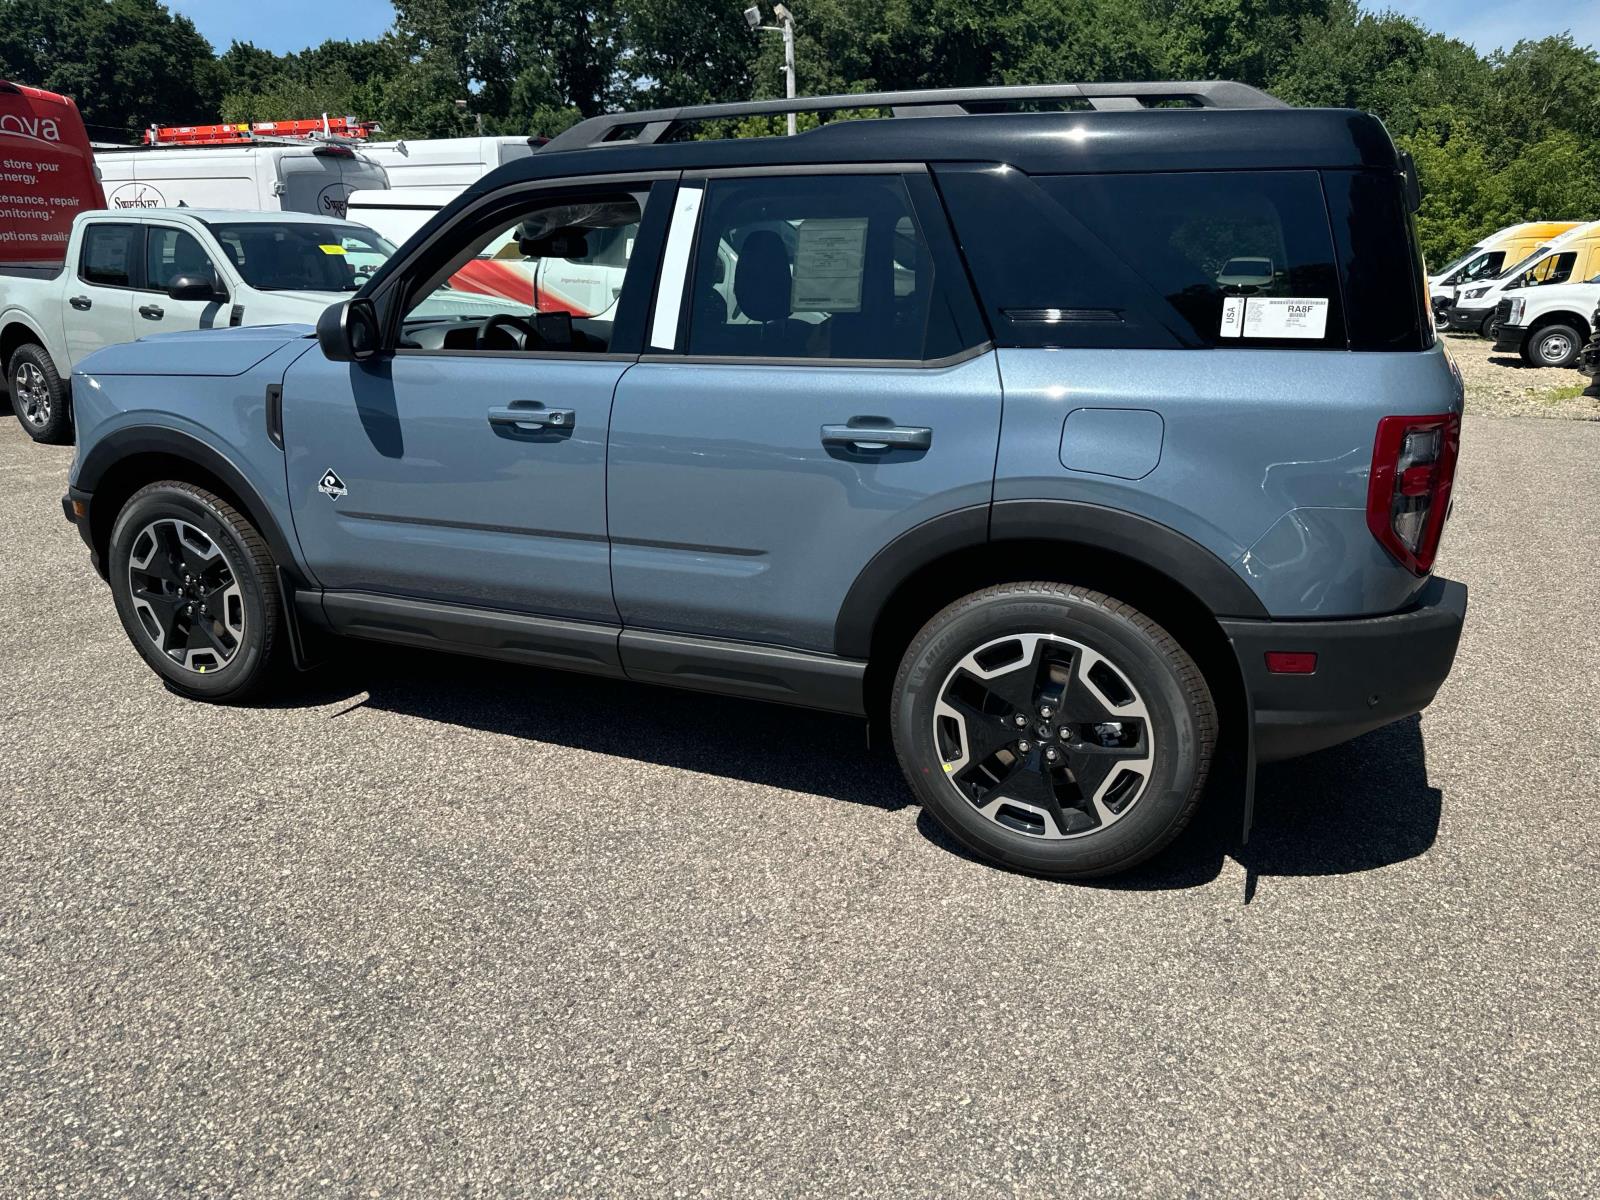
x=961 y=421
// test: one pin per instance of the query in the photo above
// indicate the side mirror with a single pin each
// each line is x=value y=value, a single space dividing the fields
x=348 y=332
x=195 y=287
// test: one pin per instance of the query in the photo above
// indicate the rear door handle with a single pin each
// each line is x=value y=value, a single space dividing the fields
x=153 y=311
x=878 y=437
x=533 y=418
x=82 y=303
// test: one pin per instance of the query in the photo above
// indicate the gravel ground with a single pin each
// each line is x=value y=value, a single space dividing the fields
x=432 y=928
x=1502 y=385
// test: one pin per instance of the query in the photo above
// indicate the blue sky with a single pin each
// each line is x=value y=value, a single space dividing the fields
x=296 y=24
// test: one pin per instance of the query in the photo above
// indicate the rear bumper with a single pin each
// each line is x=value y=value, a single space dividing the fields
x=1508 y=338
x=1370 y=671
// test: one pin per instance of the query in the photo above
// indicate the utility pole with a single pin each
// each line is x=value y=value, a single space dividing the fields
x=785 y=26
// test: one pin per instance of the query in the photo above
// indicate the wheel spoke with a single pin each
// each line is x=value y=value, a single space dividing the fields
x=186 y=594
x=1055 y=740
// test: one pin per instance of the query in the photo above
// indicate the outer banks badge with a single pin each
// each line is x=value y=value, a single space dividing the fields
x=331 y=486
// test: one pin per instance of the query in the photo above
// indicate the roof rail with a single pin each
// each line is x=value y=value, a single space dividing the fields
x=653 y=125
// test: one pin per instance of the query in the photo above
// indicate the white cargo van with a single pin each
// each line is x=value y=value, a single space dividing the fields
x=449 y=163
x=263 y=177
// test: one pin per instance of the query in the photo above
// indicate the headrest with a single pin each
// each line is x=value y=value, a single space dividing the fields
x=762 y=281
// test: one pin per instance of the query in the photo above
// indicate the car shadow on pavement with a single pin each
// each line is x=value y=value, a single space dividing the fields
x=1357 y=807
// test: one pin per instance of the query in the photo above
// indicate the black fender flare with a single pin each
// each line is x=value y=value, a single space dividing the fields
x=134 y=440
x=1149 y=543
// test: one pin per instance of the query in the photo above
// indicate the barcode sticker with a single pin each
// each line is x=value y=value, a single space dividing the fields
x=1285 y=317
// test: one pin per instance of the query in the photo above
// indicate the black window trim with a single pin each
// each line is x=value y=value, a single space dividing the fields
x=941 y=248
x=136 y=262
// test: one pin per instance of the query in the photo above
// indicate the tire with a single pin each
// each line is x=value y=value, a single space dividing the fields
x=1553 y=346
x=39 y=397
x=176 y=549
x=1117 y=791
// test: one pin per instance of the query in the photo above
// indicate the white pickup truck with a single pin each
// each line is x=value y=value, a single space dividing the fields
x=1547 y=325
x=128 y=273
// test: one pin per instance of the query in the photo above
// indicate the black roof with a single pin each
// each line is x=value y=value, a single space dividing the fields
x=1227 y=127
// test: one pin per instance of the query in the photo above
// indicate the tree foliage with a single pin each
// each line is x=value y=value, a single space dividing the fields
x=1499 y=138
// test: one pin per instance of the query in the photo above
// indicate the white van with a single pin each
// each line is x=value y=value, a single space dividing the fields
x=450 y=163
x=266 y=177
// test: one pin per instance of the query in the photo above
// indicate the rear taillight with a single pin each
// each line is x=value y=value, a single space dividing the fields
x=1408 y=495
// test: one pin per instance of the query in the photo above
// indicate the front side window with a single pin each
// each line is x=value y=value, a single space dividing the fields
x=821 y=267
x=110 y=253
x=1555 y=269
x=1242 y=258
x=302 y=256
x=547 y=277
x=169 y=253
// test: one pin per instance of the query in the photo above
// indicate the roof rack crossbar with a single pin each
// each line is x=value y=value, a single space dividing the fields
x=941 y=102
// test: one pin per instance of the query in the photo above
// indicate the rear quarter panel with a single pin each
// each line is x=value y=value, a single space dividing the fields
x=1263 y=455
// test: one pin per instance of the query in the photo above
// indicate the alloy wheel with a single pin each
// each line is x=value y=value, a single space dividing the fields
x=30 y=395
x=185 y=595
x=1044 y=736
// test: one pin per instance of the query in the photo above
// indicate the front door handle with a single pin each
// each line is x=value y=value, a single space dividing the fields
x=878 y=437
x=153 y=312
x=530 y=419
x=81 y=303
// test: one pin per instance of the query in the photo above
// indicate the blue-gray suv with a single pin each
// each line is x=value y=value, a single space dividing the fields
x=1065 y=430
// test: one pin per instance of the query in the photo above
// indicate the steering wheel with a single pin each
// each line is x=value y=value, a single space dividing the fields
x=524 y=328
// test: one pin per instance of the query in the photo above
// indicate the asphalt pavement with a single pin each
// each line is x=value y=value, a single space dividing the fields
x=437 y=927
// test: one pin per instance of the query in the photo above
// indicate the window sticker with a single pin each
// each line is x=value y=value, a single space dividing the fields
x=1285 y=316
x=830 y=257
x=1232 y=316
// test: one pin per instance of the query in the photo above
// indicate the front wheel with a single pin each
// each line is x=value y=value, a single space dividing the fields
x=1053 y=729
x=38 y=394
x=1553 y=346
x=195 y=587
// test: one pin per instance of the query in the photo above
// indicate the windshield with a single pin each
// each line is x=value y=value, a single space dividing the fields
x=1456 y=262
x=303 y=256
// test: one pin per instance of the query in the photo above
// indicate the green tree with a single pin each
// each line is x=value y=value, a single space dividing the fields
x=127 y=63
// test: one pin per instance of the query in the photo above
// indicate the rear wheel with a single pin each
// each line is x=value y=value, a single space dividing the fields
x=1553 y=346
x=1053 y=729
x=38 y=395
x=195 y=587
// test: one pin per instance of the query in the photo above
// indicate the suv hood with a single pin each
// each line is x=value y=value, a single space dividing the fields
x=194 y=351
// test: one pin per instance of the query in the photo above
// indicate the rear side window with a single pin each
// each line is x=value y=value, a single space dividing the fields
x=1241 y=258
x=820 y=267
x=110 y=253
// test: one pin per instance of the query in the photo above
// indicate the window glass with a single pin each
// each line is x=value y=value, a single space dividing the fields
x=169 y=253
x=815 y=267
x=1242 y=258
x=109 y=252
x=548 y=277
x=1555 y=269
x=302 y=256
